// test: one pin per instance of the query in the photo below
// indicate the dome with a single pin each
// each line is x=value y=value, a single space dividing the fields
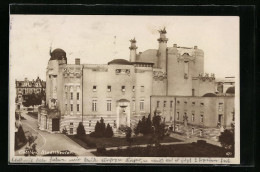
x=58 y=54
x=119 y=62
x=209 y=95
x=231 y=90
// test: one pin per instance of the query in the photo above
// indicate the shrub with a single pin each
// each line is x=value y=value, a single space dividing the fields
x=144 y=126
x=128 y=136
x=81 y=130
x=101 y=149
x=64 y=131
x=109 y=132
x=227 y=140
x=95 y=134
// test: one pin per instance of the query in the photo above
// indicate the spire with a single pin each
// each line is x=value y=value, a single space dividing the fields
x=133 y=44
x=162 y=35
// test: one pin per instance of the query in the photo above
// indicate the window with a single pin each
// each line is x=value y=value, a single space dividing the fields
x=201 y=118
x=78 y=107
x=164 y=104
x=89 y=124
x=123 y=88
x=192 y=131
x=108 y=88
x=158 y=104
x=71 y=96
x=201 y=132
x=71 y=107
x=94 y=105
x=201 y=104
x=178 y=102
x=193 y=92
x=71 y=130
x=66 y=95
x=177 y=127
x=171 y=104
x=71 y=123
x=133 y=88
x=94 y=88
x=108 y=105
x=220 y=107
x=185 y=103
x=66 y=107
x=178 y=115
x=133 y=105
x=78 y=96
x=142 y=88
x=192 y=117
x=141 y=105
x=193 y=103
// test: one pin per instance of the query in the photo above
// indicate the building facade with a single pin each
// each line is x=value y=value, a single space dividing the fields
x=122 y=91
x=27 y=87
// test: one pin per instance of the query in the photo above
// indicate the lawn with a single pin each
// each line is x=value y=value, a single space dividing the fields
x=178 y=150
x=92 y=142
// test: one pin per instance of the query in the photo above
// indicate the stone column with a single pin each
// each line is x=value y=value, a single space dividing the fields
x=128 y=115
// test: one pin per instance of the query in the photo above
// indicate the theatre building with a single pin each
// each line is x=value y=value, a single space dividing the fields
x=123 y=91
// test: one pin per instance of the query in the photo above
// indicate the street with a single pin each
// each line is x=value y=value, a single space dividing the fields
x=48 y=142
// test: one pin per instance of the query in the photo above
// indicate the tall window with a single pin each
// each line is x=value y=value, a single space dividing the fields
x=158 y=104
x=66 y=95
x=133 y=88
x=192 y=131
x=142 y=88
x=94 y=105
x=78 y=107
x=141 y=105
x=71 y=107
x=77 y=95
x=171 y=104
x=108 y=105
x=192 y=117
x=123 y=88
x=201 y=118
x=220 y=107
x=94 y=88
x=66 y=107
x=133 y=105
x=71 y=95
x=178 y=115
x=108 y=88
x=164 y=104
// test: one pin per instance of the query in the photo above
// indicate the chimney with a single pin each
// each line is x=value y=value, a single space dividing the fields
x=77 y=61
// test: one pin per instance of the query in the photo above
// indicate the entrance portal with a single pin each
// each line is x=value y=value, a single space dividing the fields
x=55 y=124
x=123 y=113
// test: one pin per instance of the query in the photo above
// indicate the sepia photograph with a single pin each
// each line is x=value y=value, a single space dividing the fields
x=124 y=89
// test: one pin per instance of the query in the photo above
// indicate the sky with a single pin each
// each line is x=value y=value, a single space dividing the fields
x=100 y=39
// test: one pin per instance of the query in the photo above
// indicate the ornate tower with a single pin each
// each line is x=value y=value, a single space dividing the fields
x=162 y=49
x=133 y=48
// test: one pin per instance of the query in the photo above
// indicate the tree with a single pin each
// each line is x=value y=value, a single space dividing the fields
x=227 y=140
x=159 y=129
x=81 y=130
x=109 y=132
x=144 y=126
x=102 y=126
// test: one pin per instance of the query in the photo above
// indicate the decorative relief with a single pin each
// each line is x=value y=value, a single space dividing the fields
x=72 y=72
x=159 y=75
x=206 y=77
x=122 y=71
x=185 y=58
x=100 y=69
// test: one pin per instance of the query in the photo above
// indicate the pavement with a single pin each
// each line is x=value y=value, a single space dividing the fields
x=49 y=142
